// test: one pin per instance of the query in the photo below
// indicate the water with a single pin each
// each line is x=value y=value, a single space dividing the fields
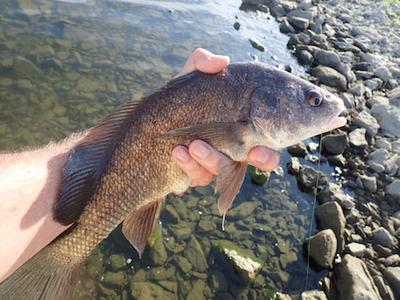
x=64 y=65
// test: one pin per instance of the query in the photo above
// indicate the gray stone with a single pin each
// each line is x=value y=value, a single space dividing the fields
x=285 y=26
x=327 y=58
x=365 y=120
x=374 y=83
x=307 y=178
x=393 y=189
x=394 y=97
x=304 y=14
x=305 y=57
x=383 y=73
x=378 y=100
x=333 y=192
x=313 y=295
x=388 y=117
x=356 y=249
x=322 y=248
x=334 y=143
x=396 y=147
x=353 y=280
x=369 y=183
x=330 y=77
x=392 y=276
x=357 y=138
x=330 y=216
x=348 y=100
x=383 y=237
x=377 y=159
x=358 y=90
x=256 y=44
x=299 y=23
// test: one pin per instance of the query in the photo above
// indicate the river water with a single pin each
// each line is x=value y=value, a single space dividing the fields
x=64 y=65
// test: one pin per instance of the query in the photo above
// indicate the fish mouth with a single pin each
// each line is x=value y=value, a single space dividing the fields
x=338 y=120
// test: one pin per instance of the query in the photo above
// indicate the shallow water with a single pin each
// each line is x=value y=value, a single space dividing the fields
x=64 y=65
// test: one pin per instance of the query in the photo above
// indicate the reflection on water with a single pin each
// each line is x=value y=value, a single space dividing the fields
x=66 y=64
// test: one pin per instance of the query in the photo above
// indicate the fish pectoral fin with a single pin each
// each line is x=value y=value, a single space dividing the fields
x=221 y=135
x=229 y=181
x=139 y=224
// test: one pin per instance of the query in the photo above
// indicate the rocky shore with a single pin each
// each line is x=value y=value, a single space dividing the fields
x=352 y=48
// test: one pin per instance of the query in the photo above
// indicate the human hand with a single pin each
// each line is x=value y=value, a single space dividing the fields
x=200 y=161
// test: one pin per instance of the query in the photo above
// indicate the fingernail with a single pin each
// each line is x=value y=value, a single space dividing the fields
x=182 y=156
x=201 y=150
x=263 y=158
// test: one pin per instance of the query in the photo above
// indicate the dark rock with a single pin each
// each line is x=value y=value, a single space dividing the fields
x=358 y=90
x=308 y=177
x=392 y=276
x=333 y=192
x=322 y=248
x=293 y=42
x=330 y=77
x=259 y=177
x=285 y=27
x=298 y=150
x=369 y=183
x=364 y=74
x=353 y=280
x=393 y=189
x=347 y=72
x=330 y=216
x=327 y=58
x=298 y=23
x=383 y=237
x=256 y=44
x=236 y=25
x=362 y=66
x=277 y=11
x=334 y=143
x=305 y=57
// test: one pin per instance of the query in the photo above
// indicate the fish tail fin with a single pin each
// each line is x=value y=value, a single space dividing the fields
x=45 y=277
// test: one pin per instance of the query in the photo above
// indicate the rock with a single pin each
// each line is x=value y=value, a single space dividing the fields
x=330 y=77
x=294 y=165
x=322 y=248
x=158 y=253
x=236 y=25
x=377 y=159
x=374 y=83
x=384 y=238
x=330 y=216
x=148 y=290
x=207 y=225
x=376 y=99
x=369 y=183
x=244 y=210
x=195 y=255
x=327 y=58
x=383 y=144
x=287 y=258
x=117 y=262
x=392 y=276
x=24 y=68
x=394 y=96
x=298 y=150
x=313 y=295
x=383 y=73
x=298 y=23
x=218 y=281
x=357 y=138
x=353 y=280
x=305 y=57
x=333 y=192
x=256 y=44
x=280 y=296
x=388 y=117
x=245 y=267
x=259 y=177
x=285 y=27
x=115 y=279
x=307 y=178
x=365 y=120
x=356 y=249
x=197 y=292
x=358 y=90
x=334 y=143
x=393 y=189
x=183 y=264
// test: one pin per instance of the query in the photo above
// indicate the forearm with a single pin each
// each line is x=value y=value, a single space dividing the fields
x=29 y=183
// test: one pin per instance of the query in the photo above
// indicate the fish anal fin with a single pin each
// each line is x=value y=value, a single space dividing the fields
x=139 y=224
x=87 y=163
x=229 y=181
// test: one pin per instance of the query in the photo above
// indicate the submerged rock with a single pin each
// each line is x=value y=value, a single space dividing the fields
x=148 y=290
x=308 y=177
x=322 y=248
x=197 y=292
x=353 y=280
x=195 y=255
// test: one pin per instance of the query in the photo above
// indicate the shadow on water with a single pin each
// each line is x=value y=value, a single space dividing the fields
x=64 y=65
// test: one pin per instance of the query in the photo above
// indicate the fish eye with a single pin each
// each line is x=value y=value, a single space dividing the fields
x=314 y=98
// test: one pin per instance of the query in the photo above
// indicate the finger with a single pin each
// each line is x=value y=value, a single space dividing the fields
x=263 y=158
x=197 y=174
x=207 y=156
x=204 y=61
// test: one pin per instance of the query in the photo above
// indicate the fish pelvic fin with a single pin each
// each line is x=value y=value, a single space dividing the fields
x=228 y=185
x=43 y=277
x=139 y=224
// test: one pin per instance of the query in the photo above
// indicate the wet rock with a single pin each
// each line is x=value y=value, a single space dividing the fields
x=357 y=138
x=287 y=258
x=236 y=25
x=334 y=143
x=117 y=262
x=299 y=23
x=256 y=44
x=294 y=165
x=384 y=238
x=369 y=183
x=388 y=117
x=197 y=292
x=330 y=216
x=307 y=178
x=259 y=177
x=244 y=210
x=392 y=276
x=195 y=255
x=333 y=192
x=94 y=263
x=353 y=280
x=207 y=225
x=356 y=249
x=313 y=295
x=330 y=77
x=148 y=290
x=245 y=267
x=365 y=120
x=383 y=73
x=322 y=248
x=115 y=279
x=218 y=281
x=158 y=253
x=393 y=189
x=299 y=150
x=327 y=58
x=24 y=68
x=183 y=264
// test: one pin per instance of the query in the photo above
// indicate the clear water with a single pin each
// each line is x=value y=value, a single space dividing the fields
x=64 y=65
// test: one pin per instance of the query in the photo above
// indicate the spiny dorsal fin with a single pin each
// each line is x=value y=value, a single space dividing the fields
x=229 y=181
x=140 y=223
x=87 y=162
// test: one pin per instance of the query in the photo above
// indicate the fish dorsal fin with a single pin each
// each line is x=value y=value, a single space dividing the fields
x=87 y=162
x=140 y=223
x=229 y=181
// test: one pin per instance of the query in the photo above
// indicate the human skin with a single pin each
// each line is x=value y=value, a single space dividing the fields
x=30 y=180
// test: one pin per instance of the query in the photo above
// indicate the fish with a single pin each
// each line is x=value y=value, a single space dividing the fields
x=122 y=170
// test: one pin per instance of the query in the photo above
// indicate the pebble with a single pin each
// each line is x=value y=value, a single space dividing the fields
x=256 y=44
x=357 y=138
x=334 y=143
x=356 y=249
x=383 y=73
x=367 y=121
